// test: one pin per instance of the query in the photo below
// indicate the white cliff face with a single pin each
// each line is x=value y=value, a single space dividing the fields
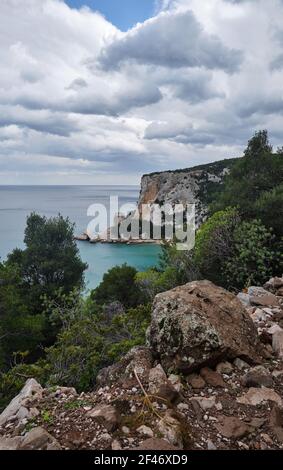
x=184 y=187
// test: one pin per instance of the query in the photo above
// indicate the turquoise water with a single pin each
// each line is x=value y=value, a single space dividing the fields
x=17 y=202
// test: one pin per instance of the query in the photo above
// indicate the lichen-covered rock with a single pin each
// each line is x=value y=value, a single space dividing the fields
x=200 y=324
x=138 y=358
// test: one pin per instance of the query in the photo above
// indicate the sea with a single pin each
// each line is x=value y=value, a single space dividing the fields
x=17 y=202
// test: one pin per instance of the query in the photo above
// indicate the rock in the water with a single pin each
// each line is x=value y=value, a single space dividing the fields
x=212 y=378
x=155 y=444
x=232 y=427
x=199 y=324
x=138 y=358
x=277 y=343
x=39 y=439
x=257 y=377
x=256 y=396
x=105 y=415
x=31 y=390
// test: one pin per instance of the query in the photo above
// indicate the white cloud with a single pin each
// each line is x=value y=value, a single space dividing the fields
x=80 y=101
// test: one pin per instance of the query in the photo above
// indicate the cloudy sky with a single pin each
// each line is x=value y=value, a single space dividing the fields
x=102 y=91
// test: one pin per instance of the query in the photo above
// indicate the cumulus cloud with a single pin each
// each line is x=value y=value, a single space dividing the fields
x=82 y=102
x=171 y=40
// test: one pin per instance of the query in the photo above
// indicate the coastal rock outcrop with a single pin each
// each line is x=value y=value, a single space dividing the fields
x=188 y=186
x=200 y=324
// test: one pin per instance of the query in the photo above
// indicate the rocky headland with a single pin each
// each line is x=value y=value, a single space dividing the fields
x=195 y=185
x=210 y=377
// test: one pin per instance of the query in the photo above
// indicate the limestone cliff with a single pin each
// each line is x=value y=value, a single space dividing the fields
x=192 y=185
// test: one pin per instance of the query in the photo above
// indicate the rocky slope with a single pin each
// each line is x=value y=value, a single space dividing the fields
x=192 y=185
x=210 y=377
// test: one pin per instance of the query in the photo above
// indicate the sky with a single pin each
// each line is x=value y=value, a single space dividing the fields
x=122 y=13
x=101 y=94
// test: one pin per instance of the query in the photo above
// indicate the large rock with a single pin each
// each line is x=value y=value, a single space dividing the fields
x=16 y=408
x=138 y=358
x=200 y=324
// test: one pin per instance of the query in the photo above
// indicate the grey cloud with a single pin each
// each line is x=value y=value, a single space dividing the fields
x=195 y=87
x=260 y=105
x=112 y=104
x=182 y=134
x=77 y=84
x=171 y=40
x=53 y=123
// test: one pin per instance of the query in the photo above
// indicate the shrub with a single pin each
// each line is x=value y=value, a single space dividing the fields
x=118 y=284
x=214 y=244
x=254 y=258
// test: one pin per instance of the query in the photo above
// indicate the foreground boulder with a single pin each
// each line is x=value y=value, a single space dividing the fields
x=200 y=324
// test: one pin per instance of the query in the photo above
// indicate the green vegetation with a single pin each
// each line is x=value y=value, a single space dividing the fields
x=118 y=284
x=50 y=331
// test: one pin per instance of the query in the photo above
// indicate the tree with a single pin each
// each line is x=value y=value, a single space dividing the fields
x=20 y=332
x=269 y=208
x=118 y=284
x=258 y=171
x=258 y=145
x=50 y=260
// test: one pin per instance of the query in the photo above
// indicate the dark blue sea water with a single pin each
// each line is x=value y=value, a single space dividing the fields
x=17 y=202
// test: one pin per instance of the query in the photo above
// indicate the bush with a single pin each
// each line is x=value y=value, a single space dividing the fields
x=257 y=172
x=214 y=244
x=118 y=284
x=13 y=381
x=254 y=258
x=93 y=339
